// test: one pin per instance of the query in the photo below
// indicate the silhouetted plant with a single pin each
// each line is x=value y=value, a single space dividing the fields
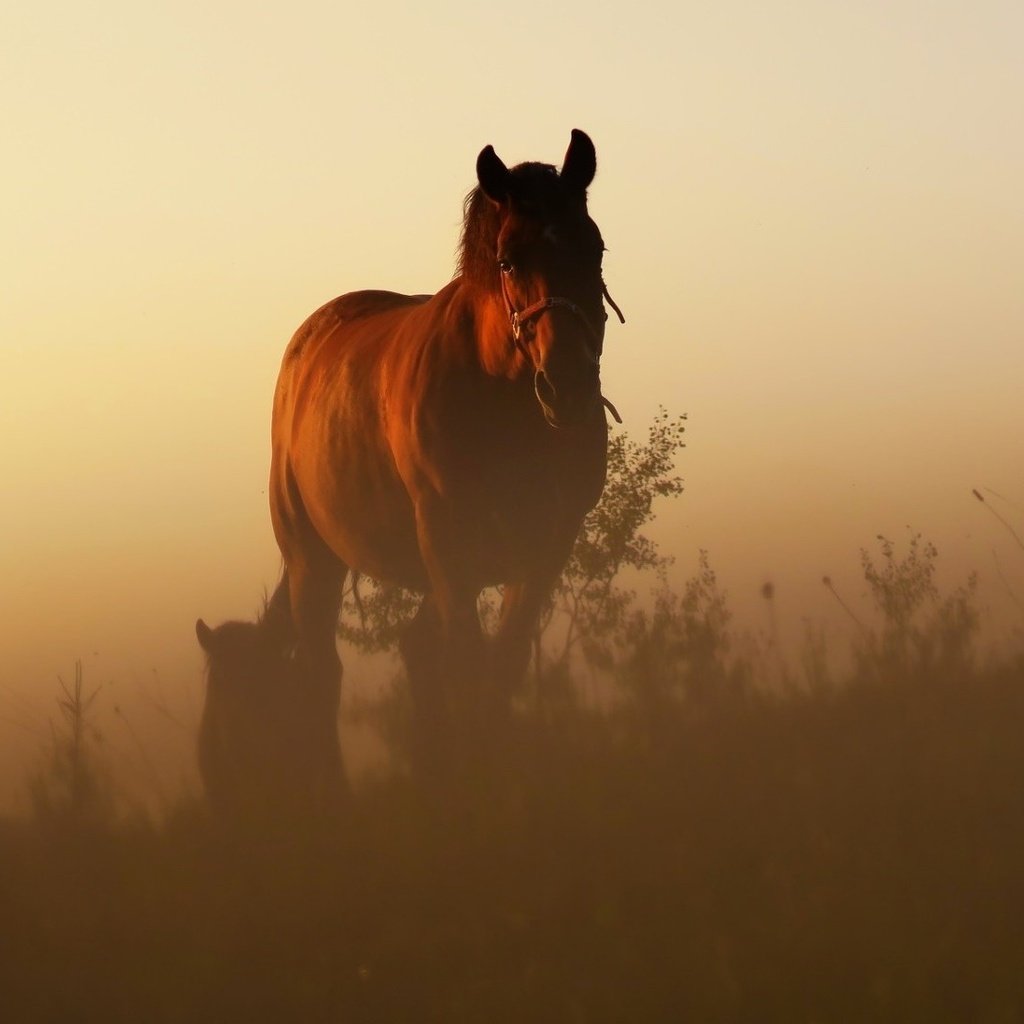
x=900 y=587
x=590 y=603
x=920 y=632
x=70 y=787
x=814 y=661
x=831 y=588
x=372 y=616
x=949 y=634
x=682 y=649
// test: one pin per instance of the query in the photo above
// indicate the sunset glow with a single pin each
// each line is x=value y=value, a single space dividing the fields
x=814 y=219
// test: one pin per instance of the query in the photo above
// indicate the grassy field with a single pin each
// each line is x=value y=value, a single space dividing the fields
x=840 y=855
x=729 y=839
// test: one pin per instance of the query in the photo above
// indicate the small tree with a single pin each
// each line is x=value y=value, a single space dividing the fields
x=590 y=602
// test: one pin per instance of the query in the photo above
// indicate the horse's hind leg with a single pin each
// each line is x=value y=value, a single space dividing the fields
x=315 y=589
x=315 y=578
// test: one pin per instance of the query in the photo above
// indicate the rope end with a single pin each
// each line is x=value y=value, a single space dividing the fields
x=611 y=408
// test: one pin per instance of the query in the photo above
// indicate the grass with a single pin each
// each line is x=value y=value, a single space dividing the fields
x=843 y=855
x=704 y=848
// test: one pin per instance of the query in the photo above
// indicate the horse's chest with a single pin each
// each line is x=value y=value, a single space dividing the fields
x=529 y=508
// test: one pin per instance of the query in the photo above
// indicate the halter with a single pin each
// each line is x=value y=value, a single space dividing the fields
x=519 y=318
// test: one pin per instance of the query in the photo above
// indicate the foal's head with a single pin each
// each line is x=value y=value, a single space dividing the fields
x=255 y=730
x=529 y=242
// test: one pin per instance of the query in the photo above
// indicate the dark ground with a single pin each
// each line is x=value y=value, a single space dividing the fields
x=830 y=858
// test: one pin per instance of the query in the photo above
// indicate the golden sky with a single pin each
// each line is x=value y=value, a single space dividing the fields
x=815 y=225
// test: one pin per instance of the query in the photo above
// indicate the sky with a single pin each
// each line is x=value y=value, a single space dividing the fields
x=815 y=229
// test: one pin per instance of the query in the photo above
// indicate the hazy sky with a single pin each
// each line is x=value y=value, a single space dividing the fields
x=816 y=229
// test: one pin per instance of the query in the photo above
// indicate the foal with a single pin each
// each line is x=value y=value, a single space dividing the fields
x=259 y=740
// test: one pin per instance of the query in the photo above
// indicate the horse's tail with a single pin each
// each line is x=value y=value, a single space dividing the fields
x=277 y=613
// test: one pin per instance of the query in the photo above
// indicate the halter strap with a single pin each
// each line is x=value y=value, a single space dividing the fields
x=518 y=318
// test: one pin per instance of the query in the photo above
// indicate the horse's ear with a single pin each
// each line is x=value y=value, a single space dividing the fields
x=493 y=175
x=580 y=164
x=204 y=635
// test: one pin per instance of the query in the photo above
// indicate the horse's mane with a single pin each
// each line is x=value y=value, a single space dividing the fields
x=534 y=186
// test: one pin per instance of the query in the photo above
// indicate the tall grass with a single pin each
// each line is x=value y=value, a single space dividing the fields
x=704 y=847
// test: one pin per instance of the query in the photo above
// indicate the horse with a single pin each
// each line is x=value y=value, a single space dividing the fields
x=449 y=442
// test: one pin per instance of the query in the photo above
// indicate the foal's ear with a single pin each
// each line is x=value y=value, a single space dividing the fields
x=493 y=175
x=204 y=635
x=580 y=163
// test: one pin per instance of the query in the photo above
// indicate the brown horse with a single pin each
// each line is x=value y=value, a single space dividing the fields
x=450 y=442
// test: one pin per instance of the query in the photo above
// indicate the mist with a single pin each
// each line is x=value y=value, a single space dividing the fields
x=775 y=775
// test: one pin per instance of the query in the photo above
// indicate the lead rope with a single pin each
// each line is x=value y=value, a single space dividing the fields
x=611 y=302
x=611 y=408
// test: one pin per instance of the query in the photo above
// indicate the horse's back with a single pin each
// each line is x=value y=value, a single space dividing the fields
x=353 y=307
x=351 y=330
x=370 y=301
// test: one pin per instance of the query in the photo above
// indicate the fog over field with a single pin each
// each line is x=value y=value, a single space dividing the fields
x=813 y=222
x=813 y=219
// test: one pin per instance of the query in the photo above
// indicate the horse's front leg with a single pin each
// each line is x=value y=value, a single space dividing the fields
x=420 y=648
x=446 y=549
x=521 y=607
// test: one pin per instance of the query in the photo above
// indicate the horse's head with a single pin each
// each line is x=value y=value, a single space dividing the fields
x=544 y=266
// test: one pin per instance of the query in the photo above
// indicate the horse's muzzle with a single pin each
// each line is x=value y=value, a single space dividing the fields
x=565 y=407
